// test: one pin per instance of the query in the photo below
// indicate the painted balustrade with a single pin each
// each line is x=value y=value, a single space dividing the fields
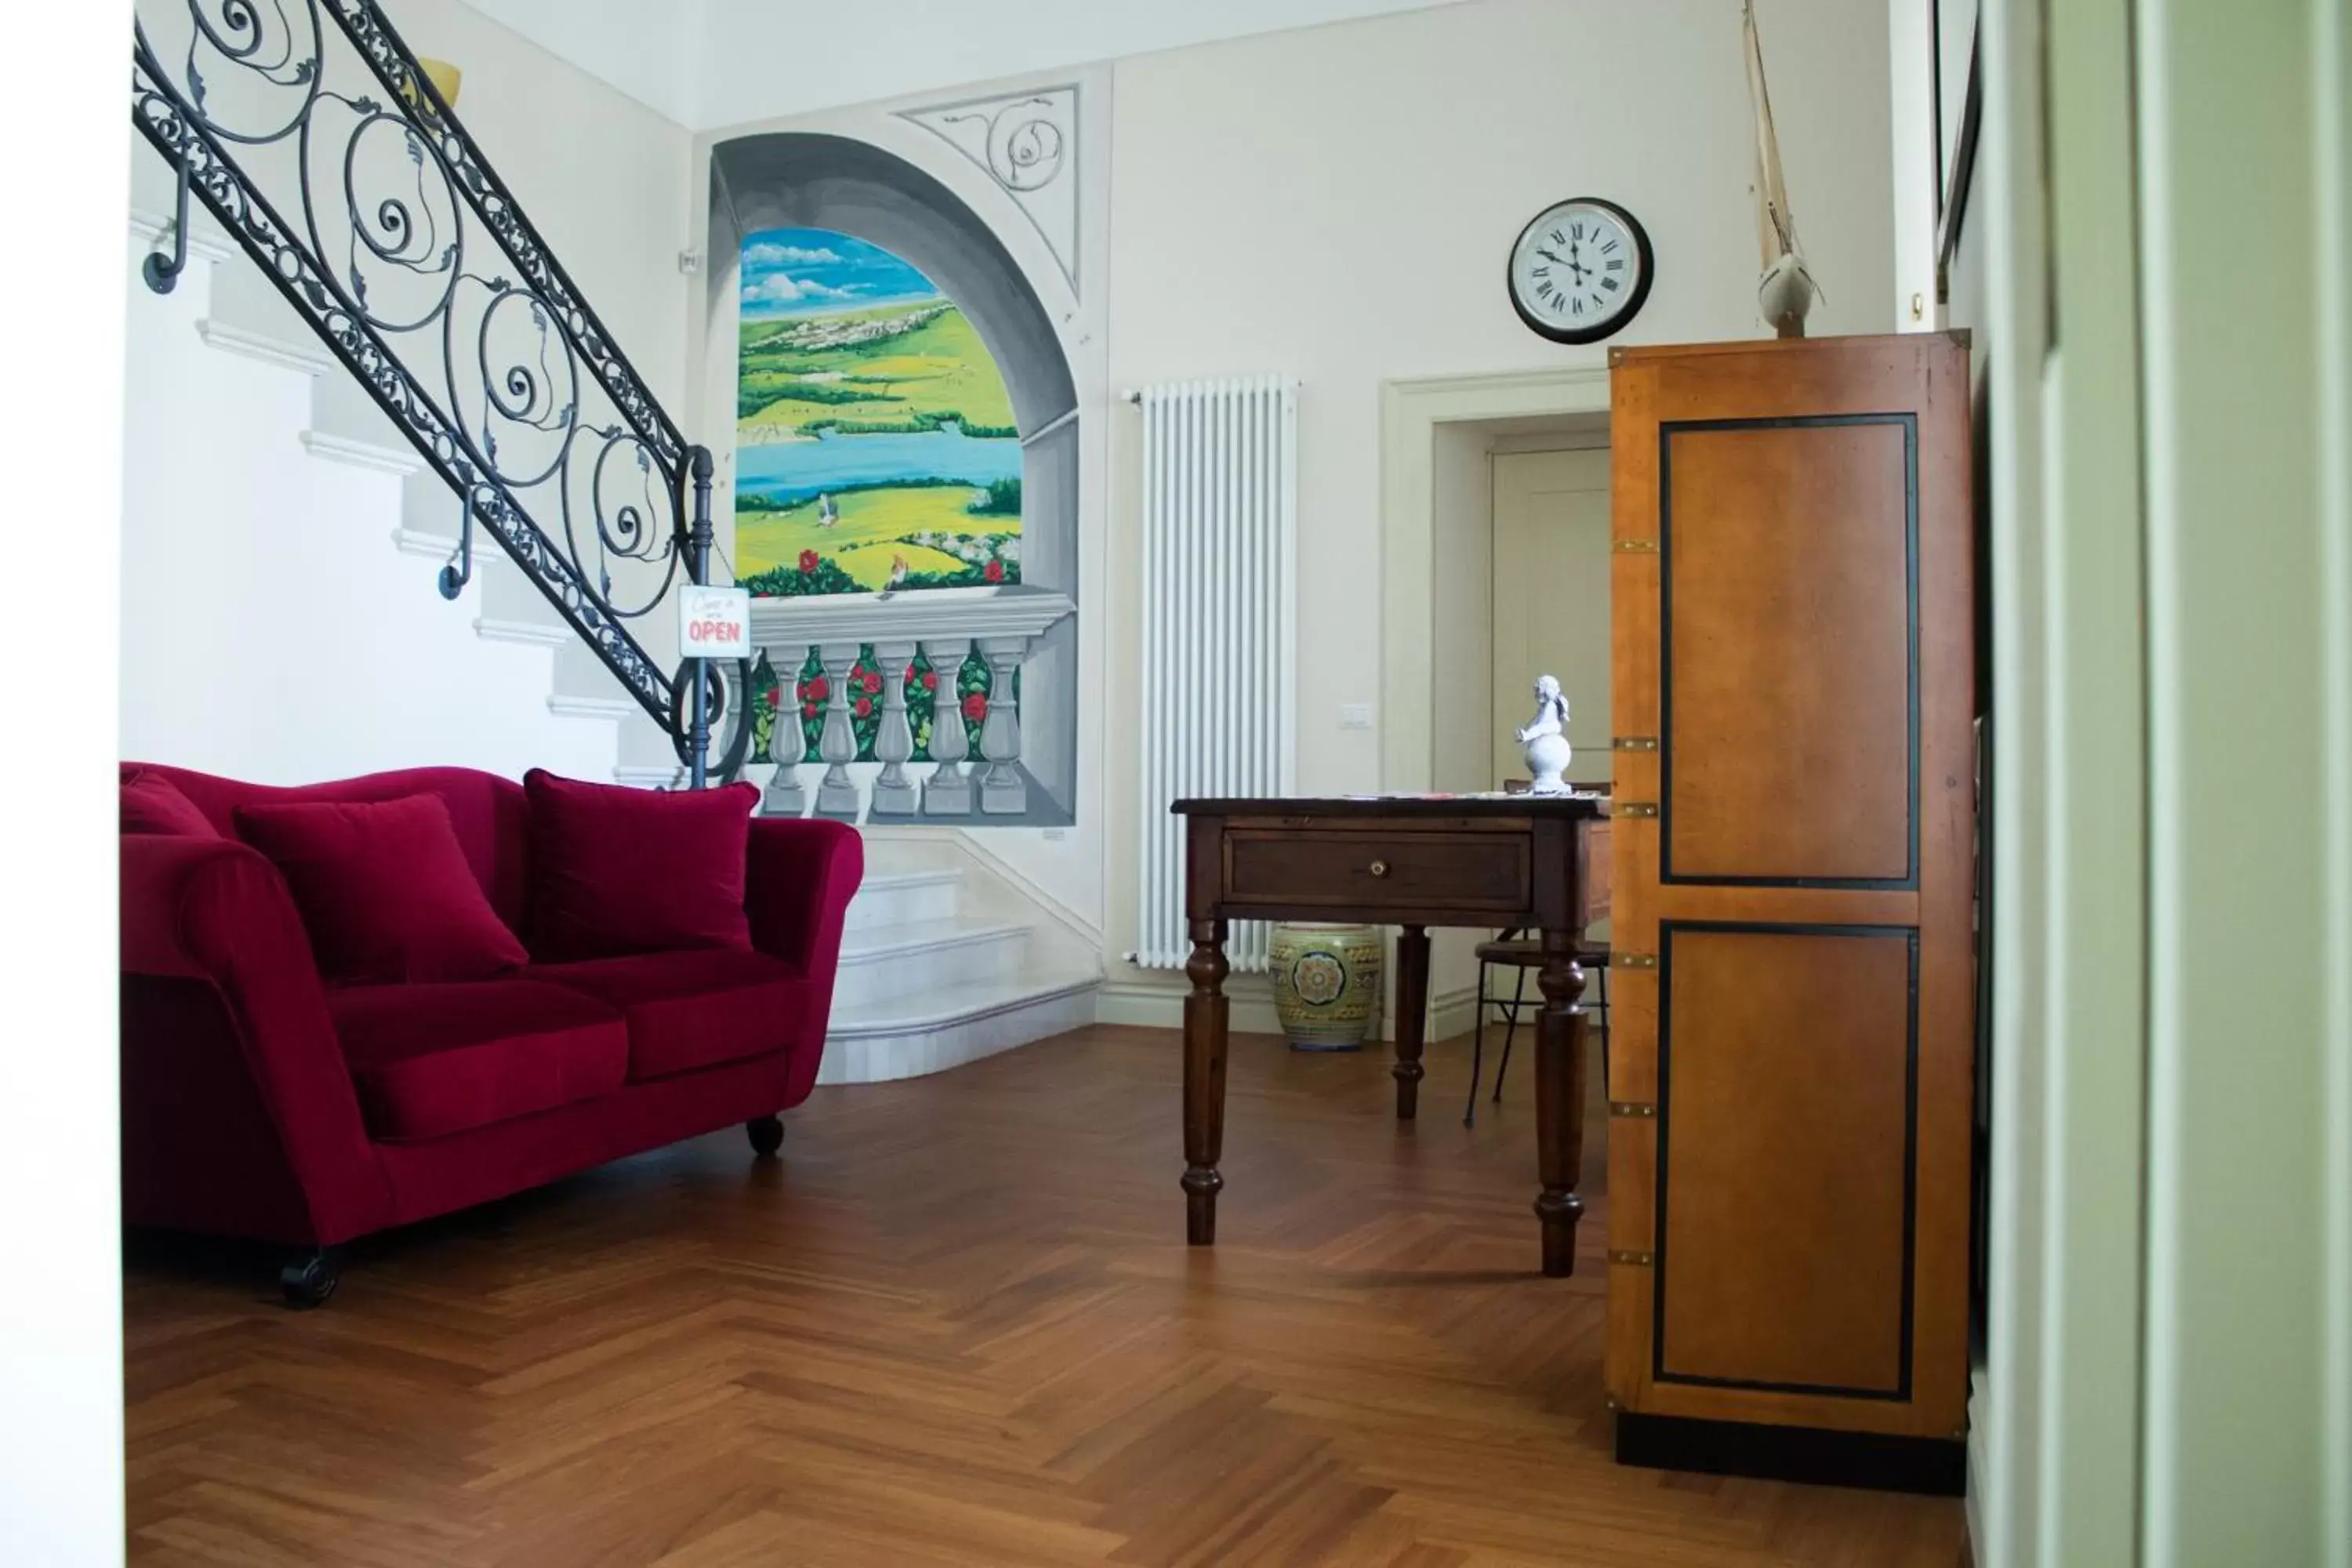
x=947 y=626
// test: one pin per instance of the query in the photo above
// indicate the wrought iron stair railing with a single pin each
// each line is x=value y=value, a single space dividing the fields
x=330 y=159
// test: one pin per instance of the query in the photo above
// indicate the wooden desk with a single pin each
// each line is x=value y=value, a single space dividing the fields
x=1525 y=861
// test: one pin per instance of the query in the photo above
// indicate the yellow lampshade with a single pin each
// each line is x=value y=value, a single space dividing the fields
x=445 y=79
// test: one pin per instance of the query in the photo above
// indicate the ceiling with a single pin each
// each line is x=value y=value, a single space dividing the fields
x=708 y=64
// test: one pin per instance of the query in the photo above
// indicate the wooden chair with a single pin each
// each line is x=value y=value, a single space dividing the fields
x=1515 y=950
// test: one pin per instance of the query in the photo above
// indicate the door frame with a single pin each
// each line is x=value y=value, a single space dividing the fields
x=1410 y=411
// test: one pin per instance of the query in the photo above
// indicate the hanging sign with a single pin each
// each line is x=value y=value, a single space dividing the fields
x=714 y=623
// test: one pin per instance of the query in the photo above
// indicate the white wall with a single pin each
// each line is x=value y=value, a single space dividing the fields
x=601 y=177
x=228 y=520
x=61 y=1168
x=235 y=535
x=711 y=63
x=1337 y=203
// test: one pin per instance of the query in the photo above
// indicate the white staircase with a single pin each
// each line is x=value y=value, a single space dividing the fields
x=944 y=960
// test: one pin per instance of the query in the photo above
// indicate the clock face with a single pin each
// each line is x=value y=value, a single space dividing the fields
x=1581 y=270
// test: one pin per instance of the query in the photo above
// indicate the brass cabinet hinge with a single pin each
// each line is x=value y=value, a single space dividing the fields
x=1637 y=547
x=1638 y=1260
x=1645 y=808
x=1632 y=1107
x=1633 y=959
x=1635 y=743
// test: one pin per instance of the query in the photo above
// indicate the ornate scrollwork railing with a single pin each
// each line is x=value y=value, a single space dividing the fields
x=332 y=161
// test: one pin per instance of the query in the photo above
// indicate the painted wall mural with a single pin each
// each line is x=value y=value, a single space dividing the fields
x=875 y=442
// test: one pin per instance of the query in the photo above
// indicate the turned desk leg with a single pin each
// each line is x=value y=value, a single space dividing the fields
x=1560 y=1101
x=1413 y=1016
x=1204 y=1080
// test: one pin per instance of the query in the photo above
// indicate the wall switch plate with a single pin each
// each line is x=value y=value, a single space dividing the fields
x=1355 y=715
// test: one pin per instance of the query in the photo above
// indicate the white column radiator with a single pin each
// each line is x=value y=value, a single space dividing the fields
x=1220 y=526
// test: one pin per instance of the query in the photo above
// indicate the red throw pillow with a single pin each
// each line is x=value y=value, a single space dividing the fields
x=385 y=889
x=153 y=803
x=616 y=870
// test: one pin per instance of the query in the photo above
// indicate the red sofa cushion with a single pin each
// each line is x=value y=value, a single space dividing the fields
x=430 y=1060
x=385 y=889
x=689 y=1010
x=152 y=805
x=617 y=871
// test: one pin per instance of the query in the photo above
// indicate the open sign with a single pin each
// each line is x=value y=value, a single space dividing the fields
x=714 y=623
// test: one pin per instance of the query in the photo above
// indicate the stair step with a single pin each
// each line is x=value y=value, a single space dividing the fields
x=905 y=898
x=882 y=962
x=909 y=1035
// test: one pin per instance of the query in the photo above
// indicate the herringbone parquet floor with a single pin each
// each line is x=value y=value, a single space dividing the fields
x=957 y=1324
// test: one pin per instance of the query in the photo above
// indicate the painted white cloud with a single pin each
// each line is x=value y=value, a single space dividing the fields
x=766 y=253
x=782 y=289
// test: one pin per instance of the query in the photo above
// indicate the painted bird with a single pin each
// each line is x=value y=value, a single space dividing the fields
x=898 y=574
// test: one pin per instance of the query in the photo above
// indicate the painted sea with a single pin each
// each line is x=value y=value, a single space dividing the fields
x=789 y=472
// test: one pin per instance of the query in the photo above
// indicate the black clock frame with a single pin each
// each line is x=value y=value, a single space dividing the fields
x=1633 y=301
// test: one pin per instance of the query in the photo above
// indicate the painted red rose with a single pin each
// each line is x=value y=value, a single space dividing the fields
x=808 y=562
x=775 y=696
x=808 y=710
x=931 y=680
x=975 y=706
x=873 y=681
x=818 y=690
x=864 y=705
x=993 y=572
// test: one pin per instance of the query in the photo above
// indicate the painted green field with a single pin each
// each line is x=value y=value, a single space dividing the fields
x=872 y=523
x=796 y=375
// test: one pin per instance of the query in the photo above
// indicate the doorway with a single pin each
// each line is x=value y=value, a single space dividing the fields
x=1550 y=594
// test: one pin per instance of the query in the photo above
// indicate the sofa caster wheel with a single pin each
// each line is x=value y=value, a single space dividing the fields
x=309 y=1280
x=767 y=1134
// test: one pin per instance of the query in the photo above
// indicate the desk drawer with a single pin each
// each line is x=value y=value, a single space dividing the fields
x=1367 y=872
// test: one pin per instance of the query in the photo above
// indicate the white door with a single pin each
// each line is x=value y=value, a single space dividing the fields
x=1551 y=602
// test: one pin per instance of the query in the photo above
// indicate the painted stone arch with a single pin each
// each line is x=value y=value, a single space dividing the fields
x=907 y=452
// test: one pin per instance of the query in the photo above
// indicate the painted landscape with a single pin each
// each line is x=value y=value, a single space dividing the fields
x=875 y=445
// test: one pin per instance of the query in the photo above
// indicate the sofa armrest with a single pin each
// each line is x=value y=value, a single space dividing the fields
x=217 y=912
x=797 y=888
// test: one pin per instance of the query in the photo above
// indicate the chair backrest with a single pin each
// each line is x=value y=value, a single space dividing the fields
x=489 y=813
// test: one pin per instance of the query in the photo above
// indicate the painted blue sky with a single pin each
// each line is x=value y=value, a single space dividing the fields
x=809 y=271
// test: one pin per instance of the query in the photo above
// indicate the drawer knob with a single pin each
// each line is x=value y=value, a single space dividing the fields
x=1380 y=868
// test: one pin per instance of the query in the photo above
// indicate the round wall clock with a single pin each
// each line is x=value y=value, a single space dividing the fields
x=1579 y=270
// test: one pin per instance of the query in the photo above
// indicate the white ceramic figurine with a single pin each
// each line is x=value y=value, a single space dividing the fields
x=1548 y=750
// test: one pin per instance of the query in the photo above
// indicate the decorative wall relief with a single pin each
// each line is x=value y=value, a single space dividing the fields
x=1028 y=142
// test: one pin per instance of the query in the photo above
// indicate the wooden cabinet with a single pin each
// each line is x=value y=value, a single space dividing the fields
x=1793 y=997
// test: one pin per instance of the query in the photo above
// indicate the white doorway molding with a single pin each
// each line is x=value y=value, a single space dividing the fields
x=1410 y=413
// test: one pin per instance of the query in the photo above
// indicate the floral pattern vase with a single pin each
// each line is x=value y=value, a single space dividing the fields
x=1327 y=981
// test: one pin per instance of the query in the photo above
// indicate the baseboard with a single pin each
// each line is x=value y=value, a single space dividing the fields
x=1137 y=997
x=1453 y=1014
x=1933 y=1466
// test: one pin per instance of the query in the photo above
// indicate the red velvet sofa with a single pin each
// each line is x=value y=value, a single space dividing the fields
x=260 y=1101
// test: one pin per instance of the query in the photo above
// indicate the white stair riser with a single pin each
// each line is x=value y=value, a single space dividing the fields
x=873 y=975
x=883 y=1059
x=911 y=902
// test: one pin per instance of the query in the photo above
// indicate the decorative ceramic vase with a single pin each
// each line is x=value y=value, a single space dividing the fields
x=1327 y=981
